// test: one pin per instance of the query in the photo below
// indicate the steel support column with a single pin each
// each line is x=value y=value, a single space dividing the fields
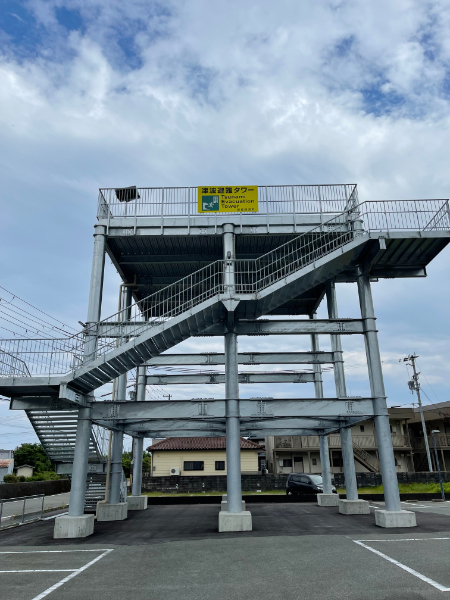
x=233 y=434
x=116 y=467
x=80 y=463
x=323 y=440
x=124 y=315
x=381 y=419
x=138 y=452
x=96 y=289
x=351 y=486
x=141 y=383
x=325 y=464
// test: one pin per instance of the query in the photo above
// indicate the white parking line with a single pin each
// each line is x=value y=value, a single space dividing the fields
x=69 y=577
x=401 y=565
x=38 y=570
x=55 y=551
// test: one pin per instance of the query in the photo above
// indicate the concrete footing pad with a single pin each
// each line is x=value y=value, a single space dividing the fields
x=224 y=505
x=73 y=527
x=354 y=507
x=327 y=500
x=112 y=512
x=137 y=502
x=395 y=518
x=235 y=521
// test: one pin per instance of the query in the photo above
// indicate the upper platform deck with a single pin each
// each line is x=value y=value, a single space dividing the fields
x=159 y=236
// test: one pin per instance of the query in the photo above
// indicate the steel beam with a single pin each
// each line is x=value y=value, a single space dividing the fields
x=249 y=408
x=257 y=327
x=244 y=358
x=215 y=378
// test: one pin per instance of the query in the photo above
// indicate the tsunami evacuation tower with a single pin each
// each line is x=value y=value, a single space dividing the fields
x=213 y=261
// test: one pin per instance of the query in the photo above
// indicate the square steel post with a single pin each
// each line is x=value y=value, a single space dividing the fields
x=351 y=486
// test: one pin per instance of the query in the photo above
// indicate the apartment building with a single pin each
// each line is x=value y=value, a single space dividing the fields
x=437 y=417
x=300 y=454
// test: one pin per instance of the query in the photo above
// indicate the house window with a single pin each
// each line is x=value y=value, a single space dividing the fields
x=397 y=464
x=287 y=462
x=220 y=465
x=314 y=461
x=361 y=428
x=193 y=465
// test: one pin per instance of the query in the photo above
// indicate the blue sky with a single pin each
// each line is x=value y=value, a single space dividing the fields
x=114 y=93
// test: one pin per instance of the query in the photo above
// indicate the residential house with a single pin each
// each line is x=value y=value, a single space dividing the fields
x=6 y=463
x=200 y=456
x=300 y=454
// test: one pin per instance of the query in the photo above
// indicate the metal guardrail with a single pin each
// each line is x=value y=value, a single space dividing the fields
x=442 y=441
x=182 y=201
x=16 y=511
x=59 y=356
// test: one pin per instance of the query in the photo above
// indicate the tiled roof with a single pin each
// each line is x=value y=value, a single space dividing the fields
x=200 y=443
x=5 y=462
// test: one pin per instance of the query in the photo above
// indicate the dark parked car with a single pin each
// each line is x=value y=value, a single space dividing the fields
x=301 y=483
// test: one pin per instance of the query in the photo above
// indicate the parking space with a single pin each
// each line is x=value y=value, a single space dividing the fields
x=427 y=558
x=34 y=574
x=294 y=550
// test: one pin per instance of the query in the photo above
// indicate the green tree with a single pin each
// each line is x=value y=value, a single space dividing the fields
x=33 y=455
x=146 y=462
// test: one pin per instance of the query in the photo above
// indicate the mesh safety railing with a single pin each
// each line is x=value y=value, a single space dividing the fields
x=182 y=201
x=97 y=339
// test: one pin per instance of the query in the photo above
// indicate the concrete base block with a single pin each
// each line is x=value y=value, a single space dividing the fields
x=395 y=518
x=73 y=527
x=235 y=521
x=354 y=507
x=137 y=502
x=112 y=512
x=327 y=500
x=224 y=505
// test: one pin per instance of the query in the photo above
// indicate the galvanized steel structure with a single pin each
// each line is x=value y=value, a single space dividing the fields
x=187 y=274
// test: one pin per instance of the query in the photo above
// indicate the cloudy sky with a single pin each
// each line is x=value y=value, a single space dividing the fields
x=101 y=94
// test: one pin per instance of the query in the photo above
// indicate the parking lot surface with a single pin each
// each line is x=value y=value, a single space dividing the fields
x=175 y=552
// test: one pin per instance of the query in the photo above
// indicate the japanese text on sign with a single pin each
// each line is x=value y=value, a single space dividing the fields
x=228 y=199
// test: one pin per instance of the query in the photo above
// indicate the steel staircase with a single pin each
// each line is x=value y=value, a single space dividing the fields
x=189 y=306
x=365 y=459
x=56 y=431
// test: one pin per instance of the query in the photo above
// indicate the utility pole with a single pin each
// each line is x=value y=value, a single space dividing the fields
x=414 y=385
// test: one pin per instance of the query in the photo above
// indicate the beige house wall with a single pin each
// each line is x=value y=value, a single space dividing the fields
x=164 y=460
x=25 y=471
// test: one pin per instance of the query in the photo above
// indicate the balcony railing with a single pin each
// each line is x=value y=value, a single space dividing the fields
x=334 y=441
x=442 y=441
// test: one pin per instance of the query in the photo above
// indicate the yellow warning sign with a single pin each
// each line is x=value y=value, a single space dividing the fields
x=228 y=199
